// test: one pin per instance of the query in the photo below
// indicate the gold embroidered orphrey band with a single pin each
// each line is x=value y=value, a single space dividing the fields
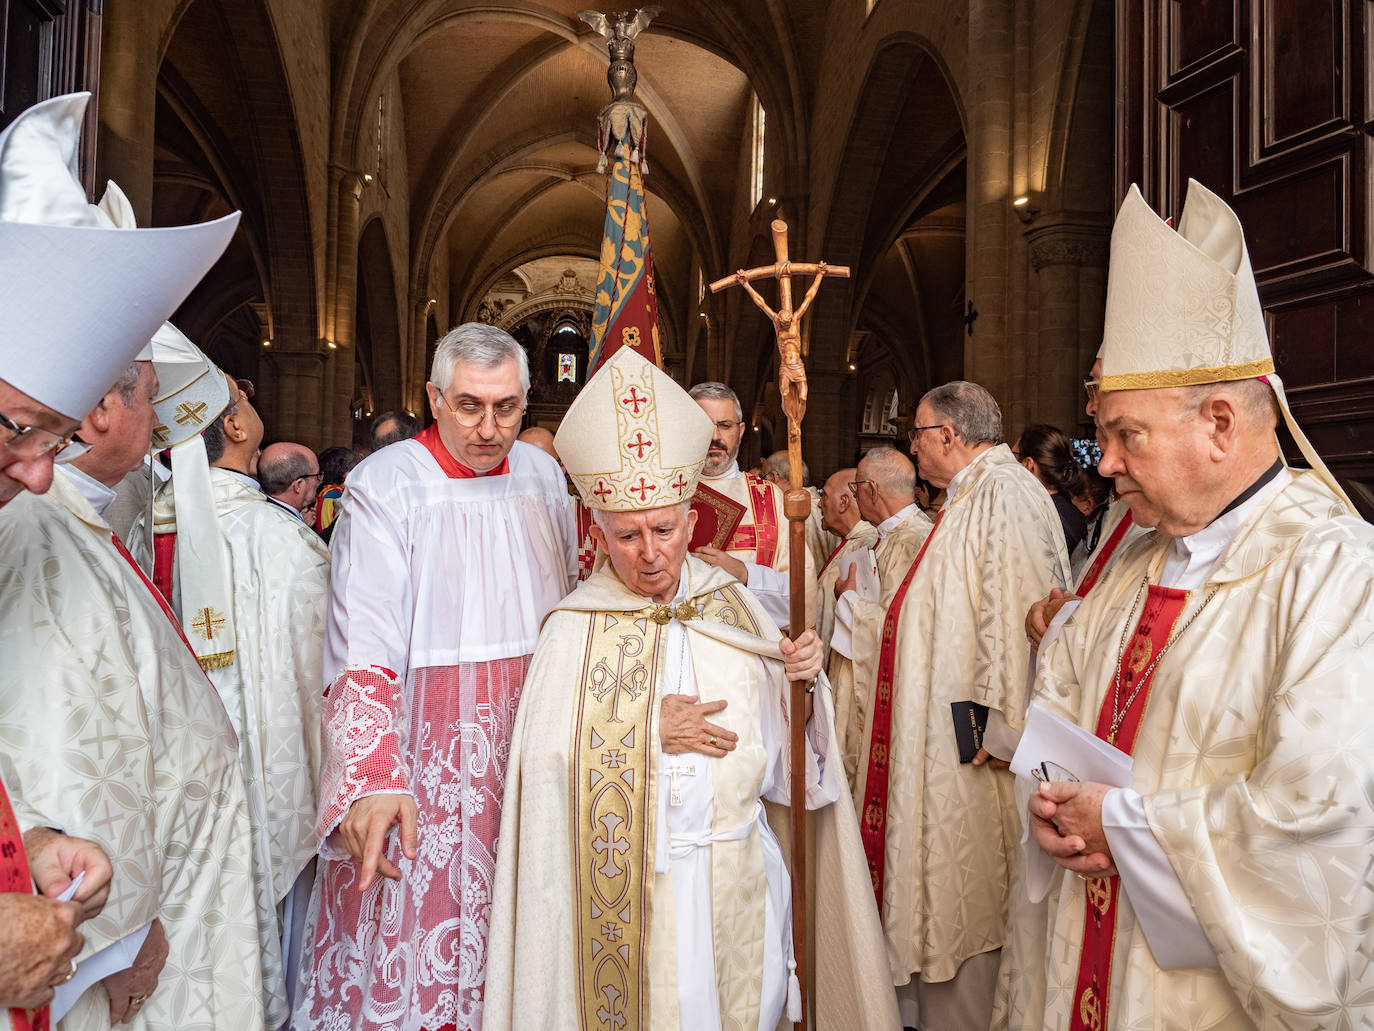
x=611 y=852
x=1188 y=377
x=614 y=789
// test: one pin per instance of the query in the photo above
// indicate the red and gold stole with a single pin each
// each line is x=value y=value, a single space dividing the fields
x=760 y=534
x=1094 y=571
x=14 y=877
x=1158 y=619
x=873 y=821
x=158 y=596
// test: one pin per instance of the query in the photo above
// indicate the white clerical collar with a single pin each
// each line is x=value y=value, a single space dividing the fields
x=161 y=474
x=290 y=508
x=890 y=523
x=731 y=472
x=1191 y=558
x=97 y=495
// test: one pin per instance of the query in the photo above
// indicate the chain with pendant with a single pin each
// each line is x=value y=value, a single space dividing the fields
x=1119 y=711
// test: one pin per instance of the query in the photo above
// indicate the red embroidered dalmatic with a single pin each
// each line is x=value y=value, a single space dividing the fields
x=15 y=877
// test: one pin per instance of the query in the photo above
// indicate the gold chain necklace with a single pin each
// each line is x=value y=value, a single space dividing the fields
x=1119 y=711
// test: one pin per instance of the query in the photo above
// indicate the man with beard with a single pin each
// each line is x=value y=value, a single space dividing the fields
x=757 y=553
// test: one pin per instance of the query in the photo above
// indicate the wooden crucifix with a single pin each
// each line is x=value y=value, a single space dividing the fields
x=797 y=506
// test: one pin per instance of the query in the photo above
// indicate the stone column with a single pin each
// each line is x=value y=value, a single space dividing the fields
x=988 y=356
x=1070 y=262
x=339 y=365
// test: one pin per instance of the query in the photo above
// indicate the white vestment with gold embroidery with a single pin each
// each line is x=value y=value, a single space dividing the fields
x=706 y=966
x=1253 y=760
x=111 y=732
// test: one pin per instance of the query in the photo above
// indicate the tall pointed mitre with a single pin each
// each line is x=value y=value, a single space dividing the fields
x=1183 y=308
x=191 y=390
x=79 y=299
x=633 y=439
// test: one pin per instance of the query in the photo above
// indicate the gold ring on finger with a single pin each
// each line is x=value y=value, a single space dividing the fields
x=711 y=741
x=71 y=972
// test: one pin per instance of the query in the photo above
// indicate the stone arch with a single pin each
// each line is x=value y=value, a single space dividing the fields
x=227 y=134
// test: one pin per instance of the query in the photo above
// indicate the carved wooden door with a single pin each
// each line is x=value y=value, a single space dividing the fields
x=1269 y=103
x=47 y=48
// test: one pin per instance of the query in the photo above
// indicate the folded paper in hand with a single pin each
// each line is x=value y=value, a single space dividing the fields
x=864 y=565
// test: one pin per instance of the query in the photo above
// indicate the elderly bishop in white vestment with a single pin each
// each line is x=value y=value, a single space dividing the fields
x=639 y=889
x=1228 y=654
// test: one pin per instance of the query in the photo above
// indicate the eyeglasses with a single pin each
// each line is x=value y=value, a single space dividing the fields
x=317 y=477
x=854 y=486
x=912 y=433
x=29 y=442
x=726 y=425
x=1092 y=386
x=506 y=414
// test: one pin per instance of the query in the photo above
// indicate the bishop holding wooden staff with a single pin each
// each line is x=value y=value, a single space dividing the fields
x=653 y=728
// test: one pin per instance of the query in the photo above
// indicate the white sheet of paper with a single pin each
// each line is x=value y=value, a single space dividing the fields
x=67 y=895
x=1050 y=737
x=865 y=565
x=109 y=960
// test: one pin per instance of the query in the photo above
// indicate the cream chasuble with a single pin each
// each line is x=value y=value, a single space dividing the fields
x=761 y=540
x=113 y=733
x=638 y=890
x=863 y=535
x=279 y=579
x=948 y=829
x=1253 y=760
x=854 y=671
x=440 y=581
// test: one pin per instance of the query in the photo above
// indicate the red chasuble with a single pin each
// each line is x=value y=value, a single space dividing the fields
x=14 y=877
x=1158 y=619
x=873 y=819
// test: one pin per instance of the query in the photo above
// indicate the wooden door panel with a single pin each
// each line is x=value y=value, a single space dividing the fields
x=1269 y=103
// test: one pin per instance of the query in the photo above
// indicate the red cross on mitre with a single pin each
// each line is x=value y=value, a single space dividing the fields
x=680 y=484
x=634 y=400
x=639 y=445
x=643 y=488
x=602 y=492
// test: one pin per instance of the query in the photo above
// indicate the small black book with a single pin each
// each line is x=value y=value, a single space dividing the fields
x=970 y=723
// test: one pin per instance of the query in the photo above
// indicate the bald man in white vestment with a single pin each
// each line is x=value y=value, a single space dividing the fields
x=1226 y=658
x=653 y=727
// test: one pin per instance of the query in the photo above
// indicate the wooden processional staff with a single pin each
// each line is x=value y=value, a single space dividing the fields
x=797 y=506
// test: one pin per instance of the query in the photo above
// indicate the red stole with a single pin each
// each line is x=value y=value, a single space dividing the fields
x=156 y=592
x=14 y=877
x=833 y=554
x=1104 y=555
x=1158 y=619
x=873 y=814
x=454 y=469
x=760 y=534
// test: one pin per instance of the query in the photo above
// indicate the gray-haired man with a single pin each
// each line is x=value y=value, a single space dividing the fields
x=451 y=549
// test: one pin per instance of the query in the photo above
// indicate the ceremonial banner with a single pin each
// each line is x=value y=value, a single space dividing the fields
x=626 y=305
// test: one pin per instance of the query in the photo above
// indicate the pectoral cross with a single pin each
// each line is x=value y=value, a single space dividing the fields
x=677 y=769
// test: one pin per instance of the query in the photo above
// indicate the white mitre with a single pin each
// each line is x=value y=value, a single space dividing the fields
x=633 y=439
x=1183 y=308
x=78 y=299
x=191 y=390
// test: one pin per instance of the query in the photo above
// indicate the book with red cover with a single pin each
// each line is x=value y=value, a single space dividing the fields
x=717 y=518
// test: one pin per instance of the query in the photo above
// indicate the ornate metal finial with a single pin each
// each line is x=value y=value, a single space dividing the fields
x=620 y=30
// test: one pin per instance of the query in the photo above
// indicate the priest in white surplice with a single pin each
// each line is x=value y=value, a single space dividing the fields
x=451 y=549
x=1228 y=653
x=938 y=831
x=757 y=554
x=220 y=547
x=653 y=725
